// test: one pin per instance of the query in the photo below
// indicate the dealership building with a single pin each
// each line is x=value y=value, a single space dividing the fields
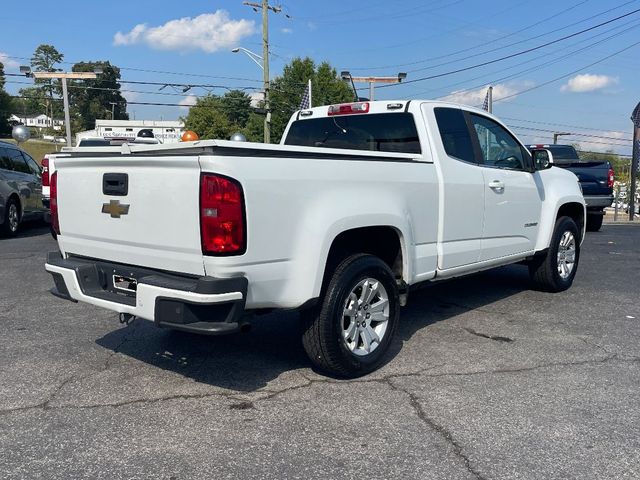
x=167 y=131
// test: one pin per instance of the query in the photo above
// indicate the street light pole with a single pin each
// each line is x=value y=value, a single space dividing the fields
x=558 y=134
x=63 y=76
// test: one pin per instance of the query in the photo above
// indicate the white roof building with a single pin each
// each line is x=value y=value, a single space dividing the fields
x=37 y=121
x=167 y=131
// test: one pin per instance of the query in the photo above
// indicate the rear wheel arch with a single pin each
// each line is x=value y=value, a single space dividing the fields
x=383 y=241
x=575 y=211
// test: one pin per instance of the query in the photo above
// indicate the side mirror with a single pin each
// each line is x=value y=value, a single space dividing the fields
x=542 y=159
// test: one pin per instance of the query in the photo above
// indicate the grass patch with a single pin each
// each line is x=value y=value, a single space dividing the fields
x=37 y=148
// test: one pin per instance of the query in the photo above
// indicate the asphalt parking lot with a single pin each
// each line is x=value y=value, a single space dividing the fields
x=487 y=380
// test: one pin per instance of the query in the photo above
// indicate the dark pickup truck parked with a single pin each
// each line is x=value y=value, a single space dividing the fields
x=596 y=179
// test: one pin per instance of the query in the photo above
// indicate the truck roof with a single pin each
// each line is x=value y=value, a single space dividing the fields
x=384 y=106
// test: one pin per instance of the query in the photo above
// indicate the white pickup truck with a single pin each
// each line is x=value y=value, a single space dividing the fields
x=358 y=203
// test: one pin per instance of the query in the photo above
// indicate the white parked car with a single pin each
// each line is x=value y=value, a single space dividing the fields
x=357 y=204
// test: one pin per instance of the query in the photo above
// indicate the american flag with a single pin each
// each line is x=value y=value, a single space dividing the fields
x=635 y=116
x=485 y=104
x=304 y=103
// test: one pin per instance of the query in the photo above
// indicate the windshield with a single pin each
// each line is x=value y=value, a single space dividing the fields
x=383 y=132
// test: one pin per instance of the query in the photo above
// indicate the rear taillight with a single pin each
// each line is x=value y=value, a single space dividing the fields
x=222 y=225
x=348 y=108
x=53 y=203
x=610 y=178
x=45 y=172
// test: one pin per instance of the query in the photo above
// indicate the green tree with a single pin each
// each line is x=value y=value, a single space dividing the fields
x=286 y=91
x=5 y=105
x=220 y=117
x=96 y=99
x=45 y=59
x=254 y=128
x=30 y=102
x=237 y=107
x=620 y=164
x=208 y=119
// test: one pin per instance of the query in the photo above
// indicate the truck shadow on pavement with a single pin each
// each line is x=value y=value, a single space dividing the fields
x=248 y=362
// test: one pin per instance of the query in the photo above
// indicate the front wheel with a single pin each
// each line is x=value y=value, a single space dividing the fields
x=555 y=271
x=350 y=332
x=11 y=219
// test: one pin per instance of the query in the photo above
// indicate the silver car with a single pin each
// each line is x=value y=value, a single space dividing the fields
x=20 y=189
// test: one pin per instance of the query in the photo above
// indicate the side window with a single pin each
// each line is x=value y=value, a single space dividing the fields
x=19 y=164
x=33 y=166
x=455 y=134
x=5 y=159
x=499 y=148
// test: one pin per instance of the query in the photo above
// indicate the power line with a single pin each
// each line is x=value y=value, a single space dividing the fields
x=513 y=55
x=562 y=125
x=464 y=25
x=184 y=74
x=535 y=67
x=475 y=47
x=568 y=74
x=616 y=139
x=520 y=41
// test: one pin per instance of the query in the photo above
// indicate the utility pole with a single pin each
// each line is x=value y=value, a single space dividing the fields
x=635 y=118
x=265 y=59
x=372 y=81
x=63 y=76
x=113 y=107
x=558 y=134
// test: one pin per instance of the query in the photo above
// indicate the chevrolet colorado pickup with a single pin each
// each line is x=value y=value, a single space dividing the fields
x=358 y=203
x=596 y=180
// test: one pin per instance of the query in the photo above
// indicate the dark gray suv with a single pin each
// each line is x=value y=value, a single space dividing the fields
x=20 y=188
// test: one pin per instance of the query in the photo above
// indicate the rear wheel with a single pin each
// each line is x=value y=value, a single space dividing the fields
x=11 y=218
x=349 y=333
x=594 y=222
x=555 y=271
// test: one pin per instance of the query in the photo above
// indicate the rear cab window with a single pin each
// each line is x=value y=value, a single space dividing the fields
x=376 y=132
x=563 y=153
x=454 y=134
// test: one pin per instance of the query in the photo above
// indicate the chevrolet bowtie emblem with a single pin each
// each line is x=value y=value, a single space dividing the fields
x=115 y=208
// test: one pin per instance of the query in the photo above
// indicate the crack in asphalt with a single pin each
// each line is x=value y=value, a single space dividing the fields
x=46 y=404
x=439 y=429
x=238 y=396
x=497 y=338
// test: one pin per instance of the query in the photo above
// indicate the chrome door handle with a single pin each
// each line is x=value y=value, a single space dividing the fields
x=496 y=185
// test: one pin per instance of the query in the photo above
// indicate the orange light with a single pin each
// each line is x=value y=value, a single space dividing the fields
x=189 y=136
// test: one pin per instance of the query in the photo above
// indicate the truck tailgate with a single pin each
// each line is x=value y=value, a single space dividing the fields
x=153 y=222
x=593 y=176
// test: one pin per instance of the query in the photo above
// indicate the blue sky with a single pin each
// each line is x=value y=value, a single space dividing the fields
x=190 y=43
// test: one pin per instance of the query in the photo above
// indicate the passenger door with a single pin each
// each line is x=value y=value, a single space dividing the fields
x=512 y=200
x=26 y=184
x=462 y=190
x=36 y=181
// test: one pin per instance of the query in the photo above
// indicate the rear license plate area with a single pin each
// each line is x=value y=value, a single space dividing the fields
x=125 y=284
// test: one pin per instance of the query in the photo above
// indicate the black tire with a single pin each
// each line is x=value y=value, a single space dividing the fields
x=10 y=225
x=323 y=326
x=544 y=269
x=594 y=222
